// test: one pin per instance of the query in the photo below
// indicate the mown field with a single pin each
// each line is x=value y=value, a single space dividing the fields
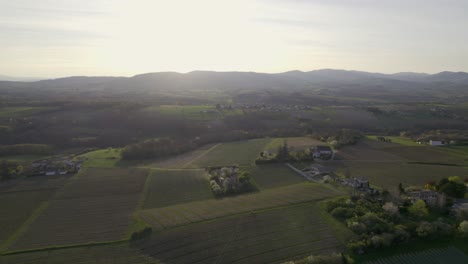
x=168 y=187
x=450 y=255
x=102 y=158
x=97 y=205
x=185 y=213
x=271 y=236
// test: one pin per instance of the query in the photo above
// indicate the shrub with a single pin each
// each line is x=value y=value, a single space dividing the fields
x=425 y=229
x=418 y=209
x=390 y=208
x=342 y=213
x=463 y=228
x=141 y=233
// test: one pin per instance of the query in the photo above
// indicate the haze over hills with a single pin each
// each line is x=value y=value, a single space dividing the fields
x=261 y=87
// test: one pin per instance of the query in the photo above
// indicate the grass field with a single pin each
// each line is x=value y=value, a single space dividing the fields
x=97 y=205
x=103 y=158
x=270 y=236
x=450 y=255
x=399 y=140
x=273 y=175
x=168 y=187
x=185 y=213
x=239 y=152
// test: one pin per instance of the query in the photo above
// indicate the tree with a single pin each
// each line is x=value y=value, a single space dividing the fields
x=418 y=209
x=401 y=189
x=390 y=208
x=463 y=228
x=425 y=229
x=453 y=189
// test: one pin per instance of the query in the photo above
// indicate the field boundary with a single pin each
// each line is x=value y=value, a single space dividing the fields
x=137 y=222
x=201 y=155
x=103 y=243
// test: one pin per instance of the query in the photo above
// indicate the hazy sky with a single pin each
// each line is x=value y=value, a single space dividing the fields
x=53 y=38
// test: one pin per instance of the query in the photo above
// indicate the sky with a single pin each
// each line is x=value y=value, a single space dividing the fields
x=57 y=38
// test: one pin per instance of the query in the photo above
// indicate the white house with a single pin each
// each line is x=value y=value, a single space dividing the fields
x=437 y=143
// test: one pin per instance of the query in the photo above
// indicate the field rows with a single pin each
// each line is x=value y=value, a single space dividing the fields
x=115 y=254
x=180 y=214
x=16 y=208
x=390 y=174
x=96 y=206
x=253 y=238
x=168 y=187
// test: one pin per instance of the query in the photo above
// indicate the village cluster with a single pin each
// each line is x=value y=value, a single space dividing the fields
x=56 y=166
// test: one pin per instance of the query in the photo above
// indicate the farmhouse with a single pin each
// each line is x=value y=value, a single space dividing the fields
x=322 y=152
x=437 y=143
x=428 y=196
x=357 y=183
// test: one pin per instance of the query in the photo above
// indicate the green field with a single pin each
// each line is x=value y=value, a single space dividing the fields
x=185 y=213
x=97 y=205
x=103 y=158
x=239 y=152
x=169 y=187
x=450 y=255
x=399 y=140
x=273 y=175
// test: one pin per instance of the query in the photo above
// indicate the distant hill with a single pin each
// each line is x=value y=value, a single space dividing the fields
x=406 y=86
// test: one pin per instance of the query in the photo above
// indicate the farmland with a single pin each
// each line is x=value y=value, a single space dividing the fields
x=182 y=160
x=262 y=237
x=450 y=255
x=84 y=208
x=185 y=213
x=390 y=174
x=115 y=254
x=294 y=143
x=239 y=152
x=194 y=112
x=273 y=175
x=168 y=187
x=17 y=206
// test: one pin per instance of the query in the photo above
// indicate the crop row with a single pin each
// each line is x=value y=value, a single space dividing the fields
x=195 y=211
